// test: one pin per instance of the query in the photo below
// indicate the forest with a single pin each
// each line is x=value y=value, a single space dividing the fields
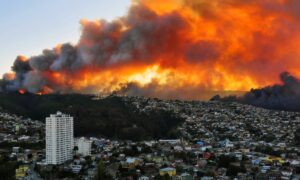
x=109 y=117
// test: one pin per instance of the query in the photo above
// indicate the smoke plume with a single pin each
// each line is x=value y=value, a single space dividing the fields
x=284 y=96
x=184 y=49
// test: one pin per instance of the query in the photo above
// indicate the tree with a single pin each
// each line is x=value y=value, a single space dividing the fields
x=166 y=177
x=29 y=156
x=224 y=161
x=232 y=170
x=100 y=171
x=75 y=149
x=7 y=167
x=88 y=160
x=297 y=136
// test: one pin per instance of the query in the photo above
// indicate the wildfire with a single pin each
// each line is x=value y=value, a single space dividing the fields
x=22 y=91
x=174 y=49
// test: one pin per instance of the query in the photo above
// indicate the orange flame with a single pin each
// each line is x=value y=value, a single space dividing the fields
x=22 y=58
x=22 y=91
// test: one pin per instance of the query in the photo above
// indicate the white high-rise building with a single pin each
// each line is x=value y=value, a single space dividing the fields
x=84 y=146
x=59 y=138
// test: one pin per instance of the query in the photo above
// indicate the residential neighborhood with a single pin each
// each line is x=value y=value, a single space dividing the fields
x=215 y=141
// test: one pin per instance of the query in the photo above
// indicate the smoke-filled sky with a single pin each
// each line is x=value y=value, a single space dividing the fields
x=187 y=49
x=29 y=26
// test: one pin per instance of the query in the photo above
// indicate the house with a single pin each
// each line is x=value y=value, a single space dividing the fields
x=170 y=171
x=226 y=143
x=143 y=178
x=205 y=148
x=91 y=173
x=207 y=178
x=84 y=146
x=21 y=172
x=76 y=168
x=274 y=159
x=286 y=174
x=16 y=149
x=185 y=176
x=170 y=141
x=131 y=163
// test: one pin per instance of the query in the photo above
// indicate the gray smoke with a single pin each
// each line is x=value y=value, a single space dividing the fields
x=21 y=66
x=44 y=61
x=285 y=96
x=103 y=46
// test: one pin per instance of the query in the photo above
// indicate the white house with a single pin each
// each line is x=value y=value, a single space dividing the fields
x=84 y=146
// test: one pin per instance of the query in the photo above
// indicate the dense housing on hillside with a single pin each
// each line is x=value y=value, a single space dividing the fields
x=214 y=141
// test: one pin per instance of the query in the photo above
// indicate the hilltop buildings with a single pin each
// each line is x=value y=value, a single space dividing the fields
x=59 y=138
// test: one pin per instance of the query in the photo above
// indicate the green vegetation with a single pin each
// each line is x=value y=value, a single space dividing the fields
x=109 y=117
x=24 y=145
x=100 y=171
x=297 y=136
x=7 y=167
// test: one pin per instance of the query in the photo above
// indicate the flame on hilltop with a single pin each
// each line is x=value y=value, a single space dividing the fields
x=22 y=91
x=172 y=49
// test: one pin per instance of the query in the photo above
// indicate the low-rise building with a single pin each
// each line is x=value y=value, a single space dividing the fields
x=84 y=146
x=21 y=172
x=170 y=171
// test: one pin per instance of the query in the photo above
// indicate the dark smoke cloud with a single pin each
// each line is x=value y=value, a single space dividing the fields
x=106 y=46
x=21 y=65
x=44 y=61
x=34 y=81
x=31 y=74
x=285 y=96
x=154 y=90
x=67 y=59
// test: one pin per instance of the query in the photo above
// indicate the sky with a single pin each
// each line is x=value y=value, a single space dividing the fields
x=29 y=26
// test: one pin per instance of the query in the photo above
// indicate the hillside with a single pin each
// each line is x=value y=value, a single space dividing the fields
x=110 y=117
